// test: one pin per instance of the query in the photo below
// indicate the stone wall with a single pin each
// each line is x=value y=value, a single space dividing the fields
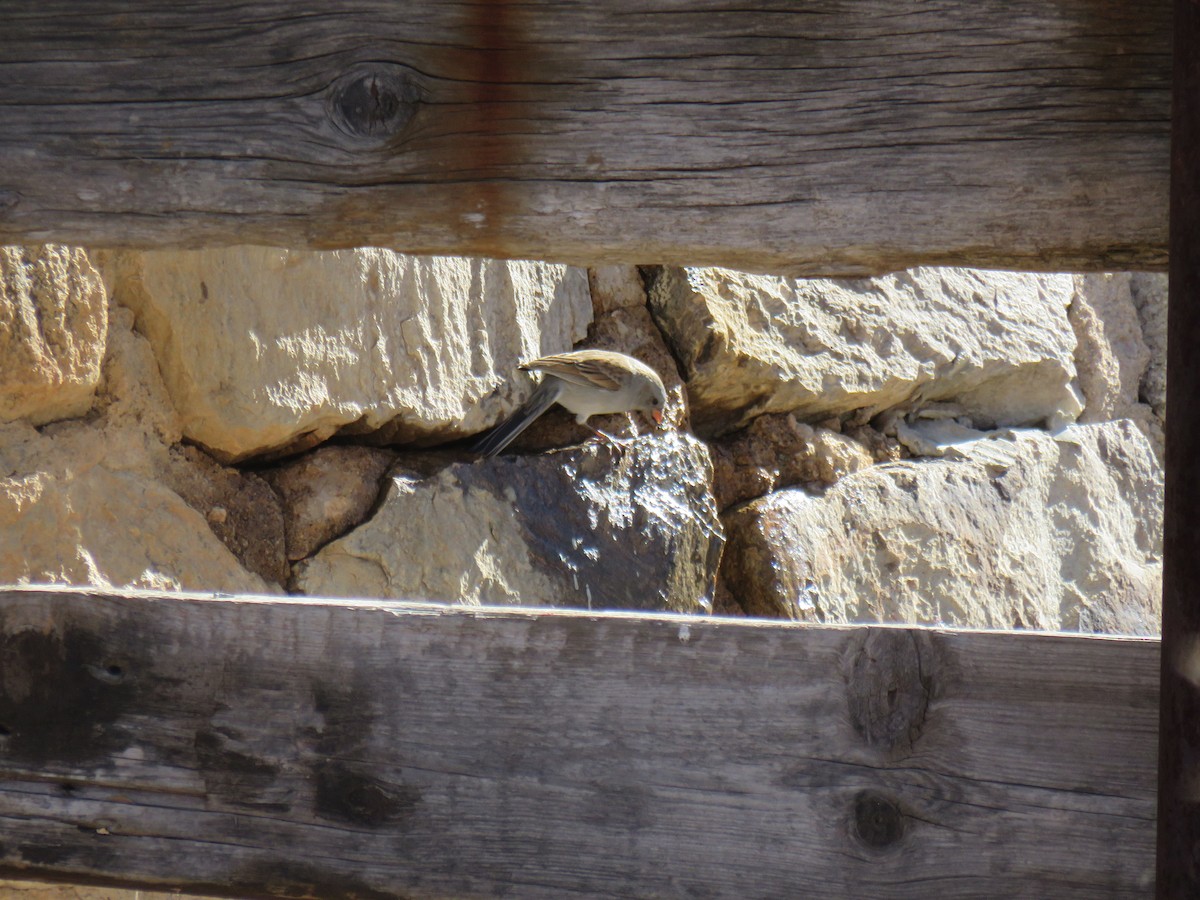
x=938 y=446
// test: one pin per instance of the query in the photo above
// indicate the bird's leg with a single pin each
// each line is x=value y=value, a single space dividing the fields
x=619 y=443
x=615 y=441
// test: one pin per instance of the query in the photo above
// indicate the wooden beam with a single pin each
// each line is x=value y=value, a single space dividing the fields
x=795 y=137
x=356 y=749
x=1179 y=741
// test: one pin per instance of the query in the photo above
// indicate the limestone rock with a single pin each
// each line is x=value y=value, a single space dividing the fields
x=72 y=513
x=240 y=508
x=132 y=396
x=938 y=437
x=777 y=451
x=52 y=322
x=615 y=287
x=1024 y=531
x=265 y=349
x=327 y=492
x=1112 y=356
x=139 y=432
x=587 y=527
x=997 y=343
x=85 y=501
x=1149 y=290
x=882 y=447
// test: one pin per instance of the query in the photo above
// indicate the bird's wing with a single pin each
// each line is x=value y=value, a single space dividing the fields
x=589 y=368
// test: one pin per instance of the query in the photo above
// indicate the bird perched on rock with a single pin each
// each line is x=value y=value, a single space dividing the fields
x=587 y=383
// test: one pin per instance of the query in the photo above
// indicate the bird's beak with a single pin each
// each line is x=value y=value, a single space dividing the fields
x=656 y=414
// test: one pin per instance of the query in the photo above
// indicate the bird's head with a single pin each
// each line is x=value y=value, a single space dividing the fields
x=654 y=401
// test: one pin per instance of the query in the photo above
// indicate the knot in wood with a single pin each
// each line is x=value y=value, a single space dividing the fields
x=876 y=820
x=374 y=101
x=888 y=686
x=360 y=798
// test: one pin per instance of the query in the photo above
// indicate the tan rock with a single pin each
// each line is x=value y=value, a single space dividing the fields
x=1149 y=291
x=132 y=396
x=52 y=323
x=264 y=349
x=84 y=501
x=1112 y=356
x=936 y=437
x=140 y=433
x=882 y=447
x=997 y=343
x=1025 y=531
x=615 y=287
x=73 y=516
x=587 y=527
x=777 y=451
x=327 y=492
x=241 y=509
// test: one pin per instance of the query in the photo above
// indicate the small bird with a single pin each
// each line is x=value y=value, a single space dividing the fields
x=587 y=383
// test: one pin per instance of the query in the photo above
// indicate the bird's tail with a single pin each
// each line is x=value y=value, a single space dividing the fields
x=503 y=434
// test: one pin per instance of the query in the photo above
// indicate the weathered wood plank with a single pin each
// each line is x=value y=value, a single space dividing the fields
x=1179 y=747
x=354 y=749
x=845 y=136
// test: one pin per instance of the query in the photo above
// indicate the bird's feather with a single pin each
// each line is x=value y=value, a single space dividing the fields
x=589 y=368
x=503 y=434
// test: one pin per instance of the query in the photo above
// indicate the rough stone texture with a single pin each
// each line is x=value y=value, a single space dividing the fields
x=908 y=364
x=240 y=508
x=52 y=322
x=71 y=513
x=265 y=350
x=1112 y=357
x=587 y=527
x=133 y=398
x=1149 y=290
x=327 y=492
x=84 y=501
x=1024 y=531
x=629 y=330
x=882 y=447
x=615 y=287
x=936 y=437
x=777 y=451
x=998 y=344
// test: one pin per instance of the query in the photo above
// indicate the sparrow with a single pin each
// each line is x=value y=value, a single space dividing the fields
x=587 y=383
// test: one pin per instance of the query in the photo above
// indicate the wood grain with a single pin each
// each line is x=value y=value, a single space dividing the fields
x=354 y=749
x=1179 y=741
x=851 y=136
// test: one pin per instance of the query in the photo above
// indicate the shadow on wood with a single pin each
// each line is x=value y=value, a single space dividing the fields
x=798 y=138
x=358 y=749
x=1178 y=803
